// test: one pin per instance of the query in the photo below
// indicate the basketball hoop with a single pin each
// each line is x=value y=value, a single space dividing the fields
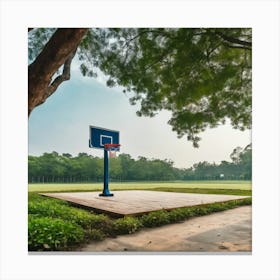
x=112 y=148
x=103 y=138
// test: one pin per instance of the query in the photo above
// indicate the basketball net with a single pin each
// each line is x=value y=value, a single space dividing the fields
x=112 y=148
x=112 y=154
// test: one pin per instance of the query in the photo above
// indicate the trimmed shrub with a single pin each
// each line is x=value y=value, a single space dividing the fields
x=179 y=215
x=74 y=215
x=155 y=219
x=163 y=217
x=216 y=207
x=95 y=234
x=126 y=225
x=48 y=234
x=201 y=210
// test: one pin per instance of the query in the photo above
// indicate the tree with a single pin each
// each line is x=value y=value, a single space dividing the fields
x=58 y=51
x=246 y=162
x=67 y=155
x=34 y=168
x=52 y=167
x=202 y=75
x=235 y=155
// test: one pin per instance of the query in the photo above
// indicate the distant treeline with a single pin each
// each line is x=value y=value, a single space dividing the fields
x=65 y=168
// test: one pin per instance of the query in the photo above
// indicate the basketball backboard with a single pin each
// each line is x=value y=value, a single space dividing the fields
x=98 y=137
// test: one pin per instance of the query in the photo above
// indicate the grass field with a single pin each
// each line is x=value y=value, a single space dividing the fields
x=230 y=185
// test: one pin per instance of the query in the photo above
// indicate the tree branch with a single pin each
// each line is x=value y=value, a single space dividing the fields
x=235 y=40
x=65 y=76
x=158 y=32
x=57 y=52
x=237 y=46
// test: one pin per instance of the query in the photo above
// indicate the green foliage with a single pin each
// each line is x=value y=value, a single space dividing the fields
x=37 y=39
x=95 y=234
x=201 y=75
x=180 y=214
x=52 y=167
x=155 y=219
x=51 y=222
x=50 y=208
x=163 y=217
x=45 y=233
x=126 y=225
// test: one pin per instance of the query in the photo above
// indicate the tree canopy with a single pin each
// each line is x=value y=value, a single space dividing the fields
x=201 y=75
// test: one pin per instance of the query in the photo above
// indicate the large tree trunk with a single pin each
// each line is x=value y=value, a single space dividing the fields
x=59 y=51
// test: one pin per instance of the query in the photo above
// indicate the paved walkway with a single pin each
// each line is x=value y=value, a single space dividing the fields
x=226 y=231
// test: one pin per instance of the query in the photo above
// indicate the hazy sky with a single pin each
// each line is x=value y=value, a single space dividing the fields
x=62 y=124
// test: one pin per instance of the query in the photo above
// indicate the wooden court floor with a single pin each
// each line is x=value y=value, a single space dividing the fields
x=125 y=203
x=129 y=203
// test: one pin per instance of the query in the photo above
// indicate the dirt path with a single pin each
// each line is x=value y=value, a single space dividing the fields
x=225 y=231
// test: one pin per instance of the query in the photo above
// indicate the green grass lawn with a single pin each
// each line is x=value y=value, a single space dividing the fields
x=230 y=185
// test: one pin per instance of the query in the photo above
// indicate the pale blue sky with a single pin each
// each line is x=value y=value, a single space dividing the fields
x=62 y=124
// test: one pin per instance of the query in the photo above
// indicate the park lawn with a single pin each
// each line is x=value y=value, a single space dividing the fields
x=230 y=185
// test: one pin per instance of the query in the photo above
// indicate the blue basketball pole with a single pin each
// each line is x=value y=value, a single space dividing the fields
x=106 y=191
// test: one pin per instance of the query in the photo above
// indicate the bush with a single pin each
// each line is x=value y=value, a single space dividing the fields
x=179 y=214
x=95 y=234
x=50 y=234
x=201 y=210
x=126 y=225
x=163 y=217
x=155 y=219
x=218 y=207
x=50 y=208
